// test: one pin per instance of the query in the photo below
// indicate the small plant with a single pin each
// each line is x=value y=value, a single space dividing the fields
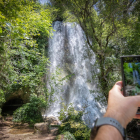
x=31 y=112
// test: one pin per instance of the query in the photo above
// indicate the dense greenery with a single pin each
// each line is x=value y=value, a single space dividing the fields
x=31 y=112
x=24 y=28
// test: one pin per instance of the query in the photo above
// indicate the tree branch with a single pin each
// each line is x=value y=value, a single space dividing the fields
x=107 y=38
x=94 y=34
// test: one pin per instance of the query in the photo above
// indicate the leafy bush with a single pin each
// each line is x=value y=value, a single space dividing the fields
x=31 y=112
x=2 y=97
x=72 y=122
x=66 y=136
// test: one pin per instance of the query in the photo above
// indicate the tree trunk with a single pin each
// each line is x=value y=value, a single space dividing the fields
x=102 y=80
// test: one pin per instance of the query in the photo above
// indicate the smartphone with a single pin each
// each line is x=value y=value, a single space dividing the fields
x=130 y=65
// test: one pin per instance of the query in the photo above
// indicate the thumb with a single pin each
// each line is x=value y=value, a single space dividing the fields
x=118 y=85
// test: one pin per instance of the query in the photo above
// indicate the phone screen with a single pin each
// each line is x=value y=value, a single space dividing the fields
x=131 y=75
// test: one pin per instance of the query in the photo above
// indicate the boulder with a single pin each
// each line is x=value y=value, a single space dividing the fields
x=54 y=131
x=51 y=120
x=42 y=128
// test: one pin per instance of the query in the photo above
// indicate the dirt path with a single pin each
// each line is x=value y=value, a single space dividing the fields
x=10 y=131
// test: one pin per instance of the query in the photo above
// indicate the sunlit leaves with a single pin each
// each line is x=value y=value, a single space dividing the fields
x=23 y=26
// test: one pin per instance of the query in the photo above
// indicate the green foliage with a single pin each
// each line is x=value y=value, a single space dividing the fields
x=133 y=39
x=72 y=122
x=128 y=74
x=29 y=66
x=127 y=68
x=30 y=18
x=24 y=29
x=66 y=136
x=31 y=112
x=2 y=99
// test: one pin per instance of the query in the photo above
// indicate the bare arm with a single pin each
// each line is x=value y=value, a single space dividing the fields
x=108 y=132
x=121 y=108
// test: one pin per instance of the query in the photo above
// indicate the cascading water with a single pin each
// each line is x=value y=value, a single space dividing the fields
x=136 y=78
x=68 y=51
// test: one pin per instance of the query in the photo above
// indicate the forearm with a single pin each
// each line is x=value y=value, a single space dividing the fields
x=108 y=132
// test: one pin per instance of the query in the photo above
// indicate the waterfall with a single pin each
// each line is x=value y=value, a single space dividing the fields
x=136 y=77
x=68 y=50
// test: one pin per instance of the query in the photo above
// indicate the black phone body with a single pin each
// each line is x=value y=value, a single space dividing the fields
x=130 y=66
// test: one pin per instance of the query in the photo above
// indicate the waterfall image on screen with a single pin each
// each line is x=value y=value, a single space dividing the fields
x=132 y=78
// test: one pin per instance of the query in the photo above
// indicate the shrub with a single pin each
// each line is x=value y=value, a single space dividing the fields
x=72 y=122
x=31 y=112
x=66 y=136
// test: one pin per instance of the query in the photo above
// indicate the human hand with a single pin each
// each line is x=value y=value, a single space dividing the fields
x=121 y=108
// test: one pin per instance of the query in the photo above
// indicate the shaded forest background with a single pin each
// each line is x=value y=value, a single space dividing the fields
x=112 y=29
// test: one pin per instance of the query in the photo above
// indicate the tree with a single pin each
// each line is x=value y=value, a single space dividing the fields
x=106 y=24
x=22 y=58
x=133 y=40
